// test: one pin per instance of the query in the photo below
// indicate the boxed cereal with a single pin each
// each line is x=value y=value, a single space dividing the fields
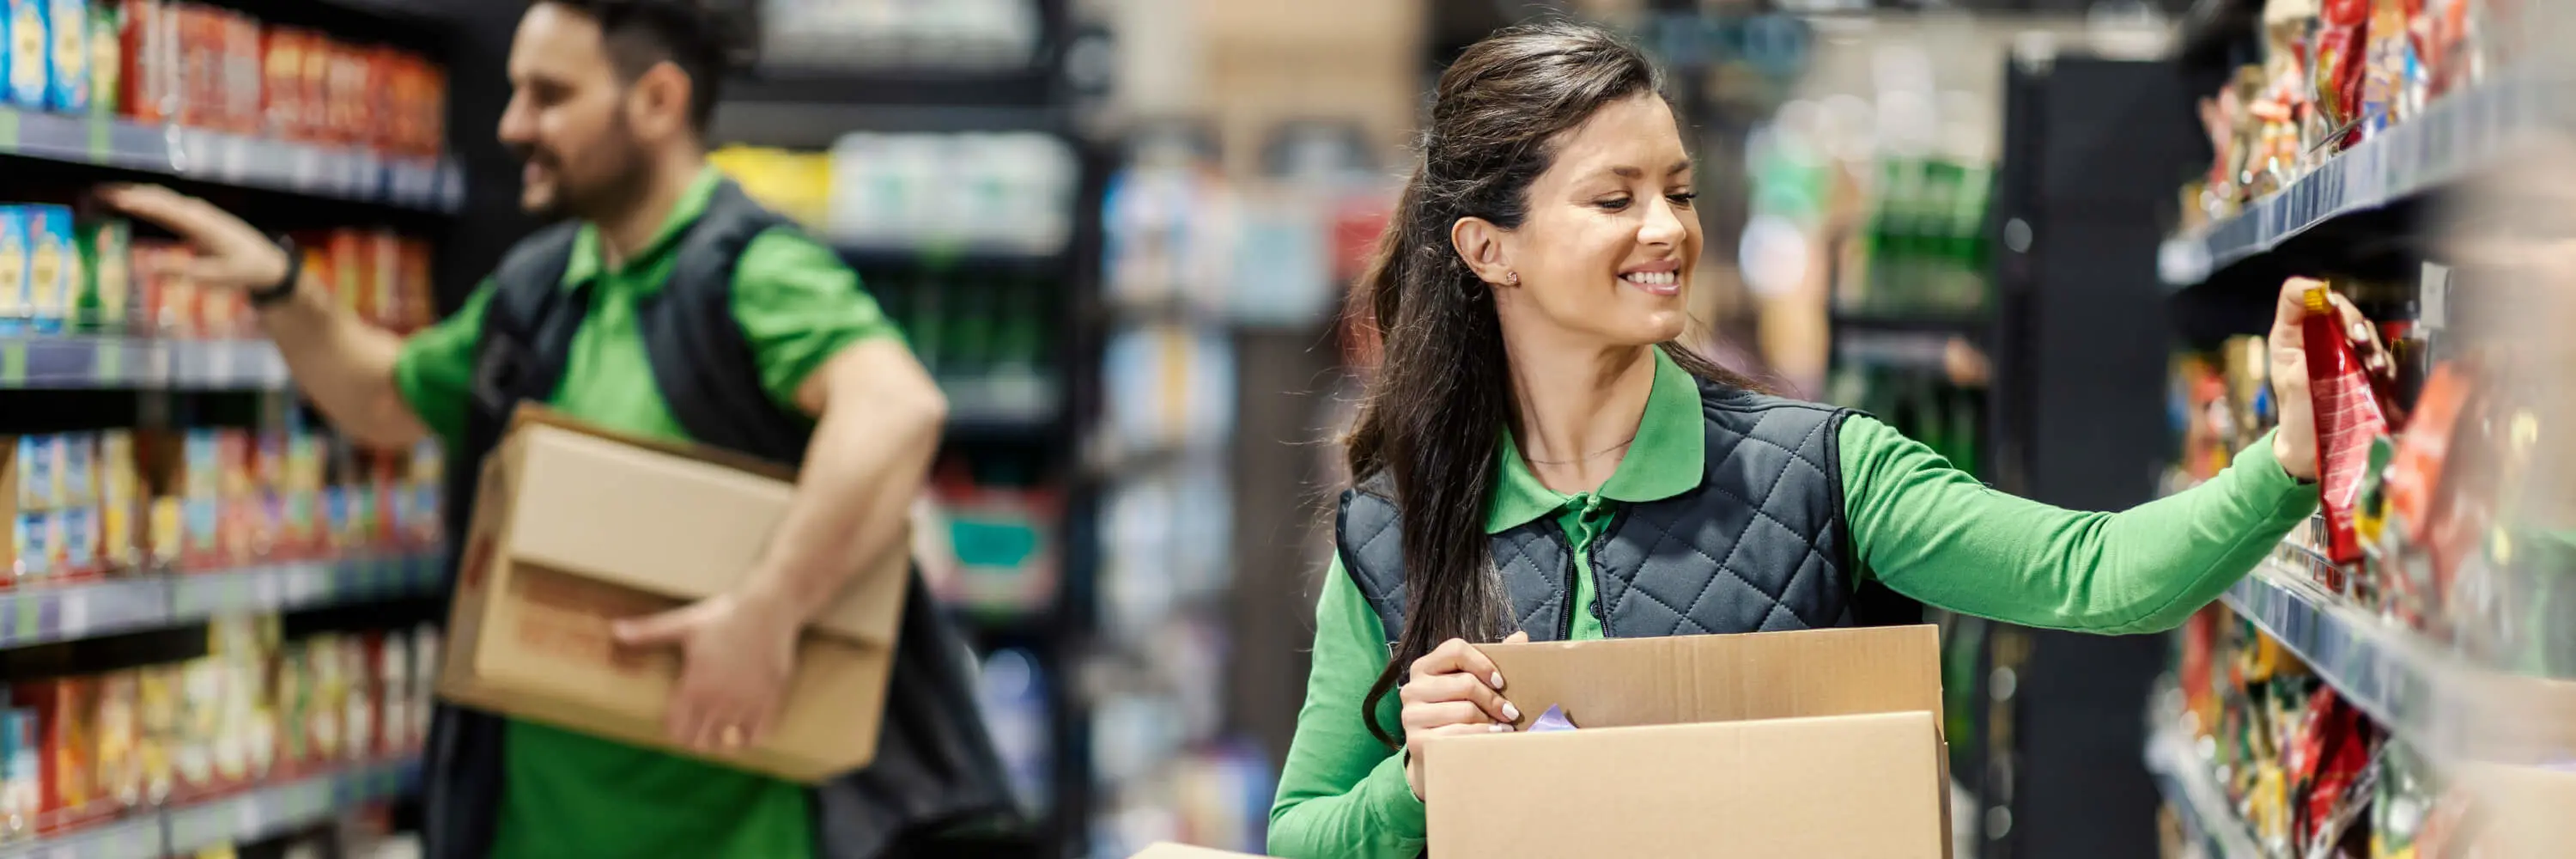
x=68 y=85
x=30 y=47
x=52 y=266
x=14 y=314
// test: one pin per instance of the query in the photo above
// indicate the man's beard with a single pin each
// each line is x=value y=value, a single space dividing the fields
x=619 y=164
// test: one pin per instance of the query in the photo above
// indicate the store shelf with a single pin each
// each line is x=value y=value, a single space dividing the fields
x=43 y=614
x=1909 y=349
x=2408 y=684
x=1954 y=324
x=108 y=362
x=1001 y=405
x=2358 y=211
x=868 y=257
x=252 y=815
x=299 y=168
x=271 y=811
x=2194 y=793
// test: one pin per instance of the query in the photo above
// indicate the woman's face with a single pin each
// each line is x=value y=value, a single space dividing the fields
x=1606 y=252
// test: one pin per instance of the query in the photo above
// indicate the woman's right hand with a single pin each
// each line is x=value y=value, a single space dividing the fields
x=1454 y=690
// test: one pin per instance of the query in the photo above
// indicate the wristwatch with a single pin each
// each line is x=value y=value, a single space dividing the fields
x=284 y=288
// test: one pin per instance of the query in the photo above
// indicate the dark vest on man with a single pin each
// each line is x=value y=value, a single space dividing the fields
x=1760 y=545
x=935 y=767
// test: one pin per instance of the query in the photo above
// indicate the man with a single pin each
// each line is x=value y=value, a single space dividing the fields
x=670 y=306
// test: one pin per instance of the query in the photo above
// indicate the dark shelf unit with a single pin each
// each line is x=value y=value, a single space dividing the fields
x=808 y=109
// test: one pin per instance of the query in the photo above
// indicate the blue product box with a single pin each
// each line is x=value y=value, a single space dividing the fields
x=22 y=785
x=197 y=464
x=14 y=315
x=39 y=472
x=68 y=25
x=53 y=266
x=80 y=468
x=30 y=43
x=79 y=539
x=35 y=540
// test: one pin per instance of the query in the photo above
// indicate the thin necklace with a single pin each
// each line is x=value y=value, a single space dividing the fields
x=1588 y=458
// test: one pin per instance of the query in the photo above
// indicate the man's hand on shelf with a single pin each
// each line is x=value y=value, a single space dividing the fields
x=231 y=254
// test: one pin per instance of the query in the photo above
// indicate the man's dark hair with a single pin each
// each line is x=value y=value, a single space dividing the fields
x=643 y=33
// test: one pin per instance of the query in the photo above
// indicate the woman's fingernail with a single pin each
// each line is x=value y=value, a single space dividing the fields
x=1511 y=713
x=1501 y=728
x=2361 y=331
x=1495 y=678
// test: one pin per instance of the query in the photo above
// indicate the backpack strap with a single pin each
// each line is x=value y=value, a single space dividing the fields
x=702 y=360
x=936 y=766
x=526 y=342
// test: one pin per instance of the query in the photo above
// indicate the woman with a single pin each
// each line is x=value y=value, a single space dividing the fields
x=1536 y=458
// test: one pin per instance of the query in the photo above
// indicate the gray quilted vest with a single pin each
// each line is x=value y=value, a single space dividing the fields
x=1760 y=546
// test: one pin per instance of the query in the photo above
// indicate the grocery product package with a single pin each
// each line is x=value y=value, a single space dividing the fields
x=1810 y=743
x=2348 y=416
x=576 y=527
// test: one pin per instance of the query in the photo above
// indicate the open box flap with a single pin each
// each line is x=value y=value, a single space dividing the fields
x=598 y=503
x=1724 y=678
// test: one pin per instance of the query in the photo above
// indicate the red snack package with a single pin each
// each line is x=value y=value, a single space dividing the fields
x=2348 y=416
x=151 y=60
x=314 y=78
x=282 y=73
x=2342 y=40
x=349 y=272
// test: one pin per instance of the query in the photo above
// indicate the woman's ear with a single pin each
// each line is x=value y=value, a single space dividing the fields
x=1480 y=245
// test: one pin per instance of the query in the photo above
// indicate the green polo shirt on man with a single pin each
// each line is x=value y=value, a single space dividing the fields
x=1923 y=528
x=567 y=794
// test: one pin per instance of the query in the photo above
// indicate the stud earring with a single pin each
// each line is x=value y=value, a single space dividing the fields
x=1512 y=278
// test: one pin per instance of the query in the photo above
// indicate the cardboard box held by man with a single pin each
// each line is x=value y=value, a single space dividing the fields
x=576 y=528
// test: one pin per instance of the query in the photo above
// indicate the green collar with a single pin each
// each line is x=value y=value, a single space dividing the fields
x=586 y=262
x=1669 y=454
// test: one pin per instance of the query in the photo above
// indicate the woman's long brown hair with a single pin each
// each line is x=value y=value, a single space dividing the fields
x=1434 y=413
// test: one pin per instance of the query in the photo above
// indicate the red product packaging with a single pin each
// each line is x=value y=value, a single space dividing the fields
x=384 y=273
x=245 y=72
x=2342 y=43
x=416 y=286
x=198 y=38
x=66 y=710
x=150 y=77
x=386 y=94
x=349 y=96
x=349 y=272
x=282 y=79
x=2348 y=417
x=433 y=109
x=314 y=78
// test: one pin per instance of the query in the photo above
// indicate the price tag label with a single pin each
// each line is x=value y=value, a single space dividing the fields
x=30 y=613
x=248 y=817
x=270 y=590
x=13 y=363
x=75 y=612
x=102 y=138
x=9 y=130
x=111 y=361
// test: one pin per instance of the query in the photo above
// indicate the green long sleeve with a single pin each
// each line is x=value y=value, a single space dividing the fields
x=1934 y=533
x=1922 y=527
x=1341 y=792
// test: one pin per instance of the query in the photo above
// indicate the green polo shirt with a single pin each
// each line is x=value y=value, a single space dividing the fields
x=1918 y=525
x=568 y=794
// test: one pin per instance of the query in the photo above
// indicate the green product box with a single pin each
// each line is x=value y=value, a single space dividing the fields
x=107 y=289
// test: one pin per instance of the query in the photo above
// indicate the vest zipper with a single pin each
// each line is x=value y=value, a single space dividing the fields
x=1565 y=620
x=1591 y=548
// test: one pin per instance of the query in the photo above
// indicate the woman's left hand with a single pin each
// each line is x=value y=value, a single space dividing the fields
x=2295 y=443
